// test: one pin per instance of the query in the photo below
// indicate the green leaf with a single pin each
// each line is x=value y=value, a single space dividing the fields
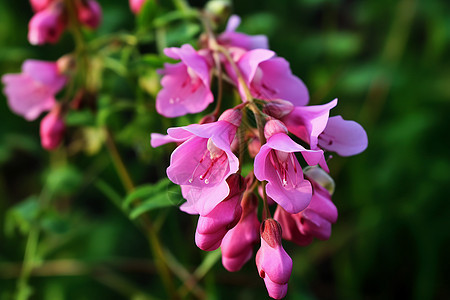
x=158 y=201
x=64 y=180
x=146 y=191
x=150 y=197
x=22 y=215
x=80 y=118
x=147 y=15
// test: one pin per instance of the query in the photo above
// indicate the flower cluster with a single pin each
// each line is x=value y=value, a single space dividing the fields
x=287 y=144
x=34 y=91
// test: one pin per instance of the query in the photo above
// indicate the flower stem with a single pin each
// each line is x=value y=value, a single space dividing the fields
x=155 y=243
x=23 y=290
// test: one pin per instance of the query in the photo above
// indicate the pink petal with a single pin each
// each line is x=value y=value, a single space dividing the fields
x=344 y=137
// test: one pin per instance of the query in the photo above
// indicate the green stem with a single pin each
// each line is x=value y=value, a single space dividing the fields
x=155 y=243
x=23 y=290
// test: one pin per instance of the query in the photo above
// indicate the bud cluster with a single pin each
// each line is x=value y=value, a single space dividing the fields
x=206 y=165
x=34 y=91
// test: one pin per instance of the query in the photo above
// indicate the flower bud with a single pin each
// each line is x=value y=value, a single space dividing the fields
x=273 y=263
x=52 y=129
x=136 y=5
x=321 y=177
x=232 y=116
x=207 y=119
x=211 y=228
x=39 y=5
x=219 y=9
x=254 y=145
x=47 y=25
x=89 y=13
x=278 y=108
x=66 y=64
x=237 y=245
x=273 y=127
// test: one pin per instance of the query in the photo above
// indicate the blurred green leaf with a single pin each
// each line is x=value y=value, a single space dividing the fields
x=80 y=118
x=22 y=215
x=64 y=180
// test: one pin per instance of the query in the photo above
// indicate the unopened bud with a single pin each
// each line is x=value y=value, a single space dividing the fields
x=52 y=129
x=219 y=9
x=232 y=116
x=273 y=127
x=278 y=108
x=66 y=64
x=321 y=177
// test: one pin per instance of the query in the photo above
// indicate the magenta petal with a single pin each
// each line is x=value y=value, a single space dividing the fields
x=26 y=97
x=203 y=200
x=344 y=137
x=46 y=73
x=157 y=139
x=308 y=122
x=186 y=85
x=233 y=23
x=278 y=82
x=284 y=143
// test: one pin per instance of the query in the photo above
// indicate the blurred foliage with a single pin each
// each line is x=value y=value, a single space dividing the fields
x=387 y=62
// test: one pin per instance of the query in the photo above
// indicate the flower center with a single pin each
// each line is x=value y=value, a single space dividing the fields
x=212 y=162
x=285 y=167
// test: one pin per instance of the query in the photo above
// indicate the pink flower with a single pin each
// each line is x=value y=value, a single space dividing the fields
x=136 y=5
x=344 y=137
x=237 y=245
x=89 y=13
x=273 y=263
x=186 y=85
x=314 y=221
x=276 y=162
x=231 y=38
x=212 y=227
x=33 y=91
x=39 y=5
x=52 y=129
x=47 y=25
x=205 y=160
x=307 y=122
x=270 y=78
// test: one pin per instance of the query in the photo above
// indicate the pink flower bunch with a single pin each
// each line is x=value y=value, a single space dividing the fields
x=288 y=136
x=51 y=19
x=34 y=91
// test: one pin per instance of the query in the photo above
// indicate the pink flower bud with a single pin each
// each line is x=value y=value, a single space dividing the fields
x=211 y=228
x=136 y=5
x=39 y=5
x=237 y=245
x=254 y=145
x=273 y=127
x=273 y=263
x=89 y=13
x=278 y=108
x=52 y=129
x=47 y=25
x=232 y=116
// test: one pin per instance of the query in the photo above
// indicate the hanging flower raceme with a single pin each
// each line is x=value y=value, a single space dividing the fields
x=206 y=166
x=51 y=17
